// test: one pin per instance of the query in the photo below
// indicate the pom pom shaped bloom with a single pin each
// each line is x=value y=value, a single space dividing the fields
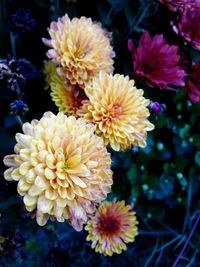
x=62 y=169
x=157 y=61
x=188 y=25
x=112 y=226
x=68 y=98
x=193 y=83
x=118 y=111
x=80 y=48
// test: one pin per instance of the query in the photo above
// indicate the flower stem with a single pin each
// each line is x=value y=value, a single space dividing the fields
x=187 y=241
x=18 y=90
x=12 y=43
x=19 y=120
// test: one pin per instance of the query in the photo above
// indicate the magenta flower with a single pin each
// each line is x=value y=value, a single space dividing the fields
x=176 y=5
x=157 y=61
x=193 y=83
x=187 y=25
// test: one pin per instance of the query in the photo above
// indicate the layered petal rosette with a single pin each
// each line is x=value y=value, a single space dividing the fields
x=118 y=110
x=112 y=226
x=80 y=48
x=67 y=97
x=157 y=62
x=62 y=169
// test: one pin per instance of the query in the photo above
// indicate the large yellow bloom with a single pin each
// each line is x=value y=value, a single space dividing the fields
x=80 y=48
x=67 y=97
x=112 y=227
x=118 y=111
x=62 y=169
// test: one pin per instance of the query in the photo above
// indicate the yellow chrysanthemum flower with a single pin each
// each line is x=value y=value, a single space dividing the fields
x=80 y=48
x=62 y=169
x=68 y=98
x=118 y=111
x=112 y=226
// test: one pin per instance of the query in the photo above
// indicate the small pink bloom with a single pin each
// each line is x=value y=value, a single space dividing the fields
x=158 y=62
x=193 y=83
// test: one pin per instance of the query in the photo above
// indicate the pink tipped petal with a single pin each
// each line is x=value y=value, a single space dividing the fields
x=47 y=42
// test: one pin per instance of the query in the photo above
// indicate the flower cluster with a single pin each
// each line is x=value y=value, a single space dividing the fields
x=81 y=83
x=159 y=63
x=61 y=161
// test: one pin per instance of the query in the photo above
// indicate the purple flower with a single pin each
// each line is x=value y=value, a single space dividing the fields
x=15 y=71
x=193 y=83
x=187 y=25
x=155 y=107
x=21 y=21
x=157 y=62
x=10 y=72
x=18 y=107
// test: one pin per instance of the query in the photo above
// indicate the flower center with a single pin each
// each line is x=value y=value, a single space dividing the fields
x=66 y=166
x=113 y=112
x=77 y=96
x=109 y=225
x=79 y=53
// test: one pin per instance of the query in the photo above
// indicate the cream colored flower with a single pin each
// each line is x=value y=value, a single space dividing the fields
x=118 y=111
x=62 y=169
x=80 y=48
x=68 y=98
x=112 y=226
